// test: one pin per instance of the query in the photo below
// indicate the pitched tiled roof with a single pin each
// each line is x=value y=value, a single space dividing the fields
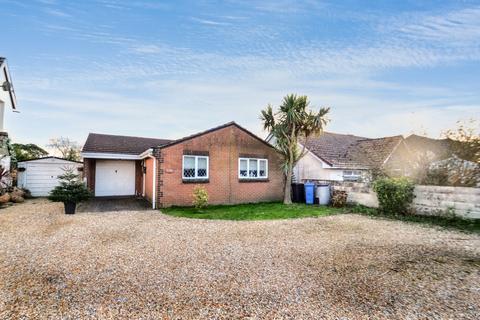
x=437 y=148
x=372 y=153
x=108 y=143
x=349 y=151
x=228 y=124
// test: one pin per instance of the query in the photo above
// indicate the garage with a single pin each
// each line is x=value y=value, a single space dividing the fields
x=114 y=178
x=40 y=176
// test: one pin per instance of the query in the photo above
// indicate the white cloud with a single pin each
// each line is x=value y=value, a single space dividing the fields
x=460 y=25
x=57 y=13
x=157 y=89
x=211 y=22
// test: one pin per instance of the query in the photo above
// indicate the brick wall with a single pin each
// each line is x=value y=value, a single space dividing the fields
x=138 y=178
x=149 y=179
x=89 y=173
x=224 y=146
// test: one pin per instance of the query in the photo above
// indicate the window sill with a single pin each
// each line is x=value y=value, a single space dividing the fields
x=195 y=180
x=253 y=180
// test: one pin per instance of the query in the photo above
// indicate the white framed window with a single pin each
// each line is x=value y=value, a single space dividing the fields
x=352 y=175
x=195 y=167
x=252 y=168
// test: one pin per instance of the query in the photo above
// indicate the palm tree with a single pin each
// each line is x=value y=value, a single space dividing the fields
x=293 y=121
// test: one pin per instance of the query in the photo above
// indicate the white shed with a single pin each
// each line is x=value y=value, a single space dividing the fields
x=40 y=176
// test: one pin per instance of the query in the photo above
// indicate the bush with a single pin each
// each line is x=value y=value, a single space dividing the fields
x=339 y=198
x=394 y=195
x=71 y=189
x=200 y=197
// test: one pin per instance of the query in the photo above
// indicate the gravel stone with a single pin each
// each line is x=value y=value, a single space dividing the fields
x=146 y=265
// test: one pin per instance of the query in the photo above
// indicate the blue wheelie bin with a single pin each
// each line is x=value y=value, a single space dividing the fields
x=309 y=193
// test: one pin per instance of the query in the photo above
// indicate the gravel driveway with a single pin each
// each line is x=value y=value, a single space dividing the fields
x=143 y=264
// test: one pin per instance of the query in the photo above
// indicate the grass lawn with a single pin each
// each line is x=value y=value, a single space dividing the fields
x=447 y=222
x=253 y=211
x=277 y=210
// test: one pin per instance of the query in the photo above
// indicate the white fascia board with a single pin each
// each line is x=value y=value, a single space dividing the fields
x=117 y=156
x=146 y=153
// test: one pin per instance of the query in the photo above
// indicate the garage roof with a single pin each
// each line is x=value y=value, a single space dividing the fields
x=107 y=143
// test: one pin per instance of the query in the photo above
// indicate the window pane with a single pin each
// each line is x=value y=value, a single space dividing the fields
x=202 y=167
x=243 y=168
x=189 y=167
x=262 y=168
x=253 y=172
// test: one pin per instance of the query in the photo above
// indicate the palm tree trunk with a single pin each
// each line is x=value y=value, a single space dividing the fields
x=287 y=195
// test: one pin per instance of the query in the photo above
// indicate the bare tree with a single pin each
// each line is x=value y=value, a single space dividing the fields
x=70 y=150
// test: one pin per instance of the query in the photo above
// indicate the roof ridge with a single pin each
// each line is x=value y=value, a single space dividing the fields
x=127 y=136
x=343 y=134
x=225 y=125
x=380 y=138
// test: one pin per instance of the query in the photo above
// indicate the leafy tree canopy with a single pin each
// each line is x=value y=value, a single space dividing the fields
x=27 y=151
x=465 y=140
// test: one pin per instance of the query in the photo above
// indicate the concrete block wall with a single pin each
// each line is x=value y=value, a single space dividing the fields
x=435 y=200
x=429 y=200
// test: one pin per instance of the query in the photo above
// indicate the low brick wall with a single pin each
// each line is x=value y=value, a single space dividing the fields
x=429 y=200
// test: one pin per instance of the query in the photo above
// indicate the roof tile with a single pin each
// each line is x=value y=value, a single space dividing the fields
x=108 y=143
x=349 y=151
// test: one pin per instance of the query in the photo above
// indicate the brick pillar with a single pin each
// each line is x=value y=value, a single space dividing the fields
x=159 y=158
x=89 y=173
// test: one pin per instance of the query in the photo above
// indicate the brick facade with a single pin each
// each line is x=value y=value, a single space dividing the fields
x=224 y=147
x=89 y=173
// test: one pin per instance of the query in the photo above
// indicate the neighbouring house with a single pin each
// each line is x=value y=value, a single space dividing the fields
x=439 y=163
x=230 y=162
x=428 y=149
x=7 y=99
x=40 y=176
x=345 y=157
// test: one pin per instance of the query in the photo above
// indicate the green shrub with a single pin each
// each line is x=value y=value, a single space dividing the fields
x=394 y=195
x=70 y=189
x=200 y=197
x=339 y=198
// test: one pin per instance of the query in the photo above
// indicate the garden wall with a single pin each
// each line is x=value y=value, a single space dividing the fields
x=429 y=200
x=435 y=200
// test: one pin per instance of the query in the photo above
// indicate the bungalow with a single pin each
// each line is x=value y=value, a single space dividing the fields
x=233 y=164
x=345 y=157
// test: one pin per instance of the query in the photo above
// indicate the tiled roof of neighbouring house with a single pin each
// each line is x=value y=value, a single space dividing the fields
x=107 y=143
x=436 y=149
x=349 y=151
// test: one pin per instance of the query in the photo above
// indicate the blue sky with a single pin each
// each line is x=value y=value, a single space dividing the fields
x=171 y=68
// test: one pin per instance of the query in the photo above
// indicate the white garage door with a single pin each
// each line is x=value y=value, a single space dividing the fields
x=114 y=178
